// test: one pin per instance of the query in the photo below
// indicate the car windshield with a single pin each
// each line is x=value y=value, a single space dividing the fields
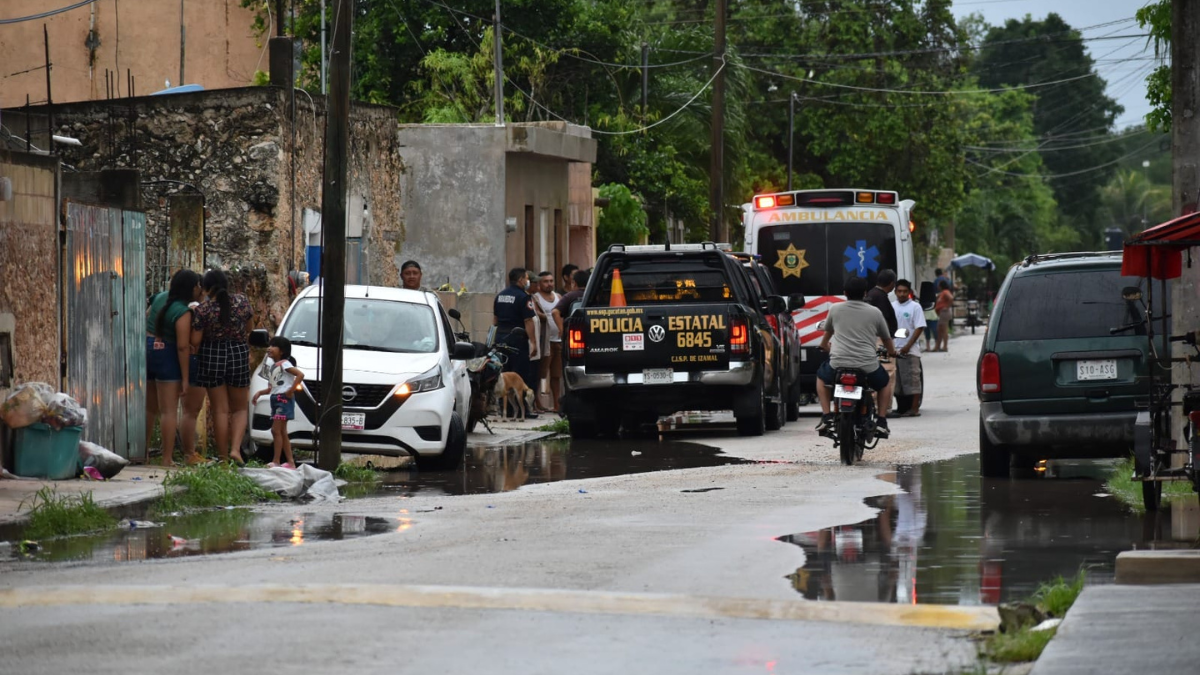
x=1066 y=305
x=370 y=324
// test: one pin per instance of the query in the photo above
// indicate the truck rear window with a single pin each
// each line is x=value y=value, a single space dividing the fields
x=1066 y=305
x=664 y=282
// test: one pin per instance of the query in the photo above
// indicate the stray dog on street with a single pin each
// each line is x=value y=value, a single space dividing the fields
x=512 y=382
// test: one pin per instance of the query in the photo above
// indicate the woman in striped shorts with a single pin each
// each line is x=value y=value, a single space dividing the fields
x=220 y=326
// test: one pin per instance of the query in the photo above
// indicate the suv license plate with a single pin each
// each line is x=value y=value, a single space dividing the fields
x=354 y=421
x=845 y=391
x=658 y=375
x=1096 y=370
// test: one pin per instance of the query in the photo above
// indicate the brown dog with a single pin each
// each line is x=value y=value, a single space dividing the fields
x=514 y=383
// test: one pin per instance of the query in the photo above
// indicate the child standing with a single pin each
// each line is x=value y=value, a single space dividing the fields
x=282 y=380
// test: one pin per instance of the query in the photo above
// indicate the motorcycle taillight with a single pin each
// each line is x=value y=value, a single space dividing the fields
x=849 y=379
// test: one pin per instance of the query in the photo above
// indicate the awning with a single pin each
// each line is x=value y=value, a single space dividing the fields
x=1158 y=252
x=972 y=260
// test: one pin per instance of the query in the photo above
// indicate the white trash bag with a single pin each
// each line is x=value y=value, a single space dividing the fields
x=107 y=462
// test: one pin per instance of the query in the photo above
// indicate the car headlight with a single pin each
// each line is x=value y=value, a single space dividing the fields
x=426 y=381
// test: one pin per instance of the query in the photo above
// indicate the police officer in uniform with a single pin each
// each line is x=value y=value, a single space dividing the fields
x=513 y=308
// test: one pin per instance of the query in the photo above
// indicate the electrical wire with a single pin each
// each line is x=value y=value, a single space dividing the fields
x=43 y=15
x=1051 y=176
x=917 y=92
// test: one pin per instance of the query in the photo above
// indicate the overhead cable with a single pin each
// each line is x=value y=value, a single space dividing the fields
x=43 y=15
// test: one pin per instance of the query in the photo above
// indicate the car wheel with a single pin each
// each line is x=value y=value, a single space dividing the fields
x=754 y=423
x=994 y=459
x=581 y=430
x=793 y=401
x=775 y=410
x=456 y=447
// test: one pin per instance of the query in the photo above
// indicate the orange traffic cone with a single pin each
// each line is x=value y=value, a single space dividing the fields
x=616 y=297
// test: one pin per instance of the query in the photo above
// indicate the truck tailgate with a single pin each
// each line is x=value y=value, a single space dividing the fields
x=688 y=337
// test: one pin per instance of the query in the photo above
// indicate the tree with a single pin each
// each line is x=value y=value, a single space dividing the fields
x=622 y=221
x=1156 y=16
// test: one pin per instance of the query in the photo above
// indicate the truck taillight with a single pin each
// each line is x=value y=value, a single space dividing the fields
x=989 y=374
x=576 y=346
x=739 y=337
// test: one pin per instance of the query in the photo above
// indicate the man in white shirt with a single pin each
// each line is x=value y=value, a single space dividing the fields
x=910 y=316
x=550 y=367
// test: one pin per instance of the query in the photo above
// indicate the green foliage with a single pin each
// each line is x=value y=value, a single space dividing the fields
x=621 y=222
x=54 y=515
x=558 y=426
x=1156 y=16
x=1018 y=647
x=356 y=474
x=209 y=485
x=1056 y=597
x=1121 y=485
x=261 y=79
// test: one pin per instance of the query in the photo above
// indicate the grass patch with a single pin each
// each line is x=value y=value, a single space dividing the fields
x=558 y=426
x=355 y=474
x=52 y=515
x=209 y=485
x=1121 y=485
x=1025 y=644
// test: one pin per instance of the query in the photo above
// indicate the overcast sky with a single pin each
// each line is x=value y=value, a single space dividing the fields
x=1122 y=63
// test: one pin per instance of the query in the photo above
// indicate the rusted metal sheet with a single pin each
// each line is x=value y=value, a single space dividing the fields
x=105 y=306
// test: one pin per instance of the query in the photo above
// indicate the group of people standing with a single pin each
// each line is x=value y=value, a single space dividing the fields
x=197 y=347
x=538 y=357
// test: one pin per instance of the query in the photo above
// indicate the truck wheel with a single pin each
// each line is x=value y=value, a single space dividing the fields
x=793 y=401
x=753 y=424
x=608 y=422
x=775 y=413
x=994 y=459
x=581 y=430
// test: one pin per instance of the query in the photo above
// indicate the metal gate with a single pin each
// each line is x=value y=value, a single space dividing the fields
x=105 y=322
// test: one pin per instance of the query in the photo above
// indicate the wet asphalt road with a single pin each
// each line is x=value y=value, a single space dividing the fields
x=634 y=545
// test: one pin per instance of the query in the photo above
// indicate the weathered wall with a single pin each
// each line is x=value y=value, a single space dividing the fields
x=138 y=36
x=453 y=192
x=29 y=266
x=540 y=182
x=580 y=210
x=234 y=147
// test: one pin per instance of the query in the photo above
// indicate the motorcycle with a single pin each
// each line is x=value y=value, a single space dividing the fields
x=483 y=372
x=854 y=407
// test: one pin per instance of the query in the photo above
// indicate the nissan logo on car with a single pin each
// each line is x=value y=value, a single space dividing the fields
x=656 y=333
x=349 y=393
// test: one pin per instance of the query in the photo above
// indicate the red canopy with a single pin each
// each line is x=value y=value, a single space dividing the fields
x=1157 y=252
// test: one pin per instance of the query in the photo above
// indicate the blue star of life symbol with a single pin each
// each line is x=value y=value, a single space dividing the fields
x=859 y=258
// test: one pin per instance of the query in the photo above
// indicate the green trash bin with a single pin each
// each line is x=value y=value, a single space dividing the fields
x=40 y=451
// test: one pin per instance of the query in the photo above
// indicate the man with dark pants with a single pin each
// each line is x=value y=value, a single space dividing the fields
x=513 y=308
x=852 y=331
x=878 y=298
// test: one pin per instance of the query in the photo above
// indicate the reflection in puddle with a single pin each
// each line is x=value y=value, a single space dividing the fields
x=210 y=532
x=953 y=538
x=504 y=468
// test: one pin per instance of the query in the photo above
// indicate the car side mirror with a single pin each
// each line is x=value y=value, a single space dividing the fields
x=774 y=304
x=796 y=301
x=463 y=351
x=454 y=314
x=260 y=338
x=1131 y=293
x=928 y=294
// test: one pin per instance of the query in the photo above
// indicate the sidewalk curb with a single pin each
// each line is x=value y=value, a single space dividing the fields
x=490 y=441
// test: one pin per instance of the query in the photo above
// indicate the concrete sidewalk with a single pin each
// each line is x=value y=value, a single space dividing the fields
x=134 y=484
x=1140 y=630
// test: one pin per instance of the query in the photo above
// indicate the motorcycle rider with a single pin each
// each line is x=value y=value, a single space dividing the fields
x=852 y=331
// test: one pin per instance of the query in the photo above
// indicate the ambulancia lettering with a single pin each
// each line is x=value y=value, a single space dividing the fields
x=825 y=216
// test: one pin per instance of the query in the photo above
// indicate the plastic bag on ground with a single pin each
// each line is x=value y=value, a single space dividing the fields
x=63 y=411
x=26 y=404
x=107 y=462
x=306 y=482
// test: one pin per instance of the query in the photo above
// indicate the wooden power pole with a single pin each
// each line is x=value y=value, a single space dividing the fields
x=716 y=174
x=1185 y=178
x=333 y=231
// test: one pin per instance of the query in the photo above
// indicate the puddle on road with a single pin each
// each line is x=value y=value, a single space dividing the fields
x=954 y=538
x=504 y=468
x=209 y=532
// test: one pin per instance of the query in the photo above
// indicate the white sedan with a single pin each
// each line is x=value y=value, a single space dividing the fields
x=405 y=388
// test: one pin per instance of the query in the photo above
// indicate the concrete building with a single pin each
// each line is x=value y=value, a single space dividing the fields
x=212 y=44
x=479 y=200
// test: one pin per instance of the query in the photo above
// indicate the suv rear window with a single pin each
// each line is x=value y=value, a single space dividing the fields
x=659 y=282
x=1065 y=305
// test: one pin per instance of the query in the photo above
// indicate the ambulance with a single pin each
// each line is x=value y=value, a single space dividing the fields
x=813 y=241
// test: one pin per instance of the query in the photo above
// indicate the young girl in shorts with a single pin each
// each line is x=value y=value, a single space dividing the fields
x=282 y=381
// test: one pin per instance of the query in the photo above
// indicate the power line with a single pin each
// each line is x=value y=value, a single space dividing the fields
x=43 y=15
x=1052 y=176
x=918 y=92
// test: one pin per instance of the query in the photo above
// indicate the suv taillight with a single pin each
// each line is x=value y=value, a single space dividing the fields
x=739 y=337
x=989 y=374
x=576 y=345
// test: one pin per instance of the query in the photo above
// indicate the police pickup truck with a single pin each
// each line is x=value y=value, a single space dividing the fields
x=662 y=329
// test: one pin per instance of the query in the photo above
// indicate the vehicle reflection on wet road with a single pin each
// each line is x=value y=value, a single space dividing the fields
x=953 y=538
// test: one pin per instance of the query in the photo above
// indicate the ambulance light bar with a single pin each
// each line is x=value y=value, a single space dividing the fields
x=824 y=198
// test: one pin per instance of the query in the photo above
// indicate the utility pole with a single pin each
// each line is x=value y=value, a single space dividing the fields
x=279 y=18
x=182 y=43
x=49 y=96
x=498 y=66
x=645 y=79
x=716 y=174
x=791 y=135
x=1185 y=180
x=333 y=231
x=323 y=89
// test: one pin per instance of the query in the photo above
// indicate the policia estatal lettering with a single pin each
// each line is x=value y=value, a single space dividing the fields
x=513 y=308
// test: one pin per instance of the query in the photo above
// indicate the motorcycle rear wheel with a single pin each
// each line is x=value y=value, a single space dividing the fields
x=847 y=443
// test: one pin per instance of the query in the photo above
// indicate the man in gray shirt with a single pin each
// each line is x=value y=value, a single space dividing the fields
x=854 y=328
